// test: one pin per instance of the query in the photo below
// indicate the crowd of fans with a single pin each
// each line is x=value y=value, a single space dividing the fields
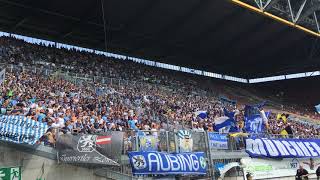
x=159 y=101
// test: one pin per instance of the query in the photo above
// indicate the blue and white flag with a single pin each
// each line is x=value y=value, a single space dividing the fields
x=317 y=108
x=254 y=122
x=20 y=129
x=185 y=141
x=144 y=163
x=283 y=148
x=201 y=114
x=226 y=121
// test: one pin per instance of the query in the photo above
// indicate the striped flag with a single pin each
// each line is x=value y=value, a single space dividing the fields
x=103 y=140
x=183 y=134
x=20 y=129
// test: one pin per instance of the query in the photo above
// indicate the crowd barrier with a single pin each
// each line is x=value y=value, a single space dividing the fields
x=112 y=148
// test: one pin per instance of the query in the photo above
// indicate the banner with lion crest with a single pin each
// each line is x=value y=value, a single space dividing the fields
x=90 y=149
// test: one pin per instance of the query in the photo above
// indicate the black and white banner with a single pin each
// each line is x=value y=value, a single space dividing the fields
x=283 y=148
x=90 y=149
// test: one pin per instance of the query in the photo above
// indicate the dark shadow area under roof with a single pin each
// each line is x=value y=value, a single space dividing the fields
x=210 y=35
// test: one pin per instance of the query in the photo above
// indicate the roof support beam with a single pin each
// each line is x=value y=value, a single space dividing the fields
x=291 y=12
x=275 y=17
x=269 y=4
x=316 y=19
x=299 y=12
x=310 y=9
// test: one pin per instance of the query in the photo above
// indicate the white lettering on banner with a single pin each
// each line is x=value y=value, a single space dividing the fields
x=195 y=162
x=296 y=147
x=174 y=160
x=249 y=145
x=186 y=161
x=255 y=146
x=181 y=164
x=155 y=160
x=162 y=164
x=315 y=145
x=304 y=149
x=282 y=149
x=313 y=153
x=271 y=148
x=292 y=151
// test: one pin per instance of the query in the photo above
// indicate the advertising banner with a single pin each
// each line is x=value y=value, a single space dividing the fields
x=218 y=141
x=276 y=168
x=144 y=163
x=88 y=149
x=20 y=129
x=283 y=148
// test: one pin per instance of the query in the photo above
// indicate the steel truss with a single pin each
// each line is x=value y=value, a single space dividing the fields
x=301 y=14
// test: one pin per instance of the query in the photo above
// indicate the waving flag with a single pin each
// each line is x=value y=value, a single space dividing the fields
x=255 y=121
x=201 y=114
x=226 y=121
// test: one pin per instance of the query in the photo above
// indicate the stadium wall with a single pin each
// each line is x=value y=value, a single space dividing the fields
x=34 y=166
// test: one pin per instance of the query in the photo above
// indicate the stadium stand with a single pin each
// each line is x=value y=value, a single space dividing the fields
x=95 y=107
x=159 y=90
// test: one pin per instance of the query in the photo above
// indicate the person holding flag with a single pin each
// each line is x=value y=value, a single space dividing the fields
x=256 y=119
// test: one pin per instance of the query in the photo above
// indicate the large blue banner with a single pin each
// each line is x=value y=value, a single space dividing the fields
x=218 y=141
x=19 y=129
x=283 y=148
x=144 y=163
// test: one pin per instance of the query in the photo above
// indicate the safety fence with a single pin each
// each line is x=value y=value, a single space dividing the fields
x=179 y=141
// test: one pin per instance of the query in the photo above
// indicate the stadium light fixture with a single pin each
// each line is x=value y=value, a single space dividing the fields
x=296 y=19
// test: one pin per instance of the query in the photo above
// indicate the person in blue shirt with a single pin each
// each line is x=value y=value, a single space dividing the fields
x=41 y=116
x=132 y=124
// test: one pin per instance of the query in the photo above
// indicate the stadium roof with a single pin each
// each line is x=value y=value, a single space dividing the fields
x=211 y=35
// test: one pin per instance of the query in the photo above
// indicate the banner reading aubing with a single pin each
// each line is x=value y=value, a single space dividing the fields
x=144 y=163
x=19 y=129
x=283 y=148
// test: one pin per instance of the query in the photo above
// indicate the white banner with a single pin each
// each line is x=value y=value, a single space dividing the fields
x=273 y=168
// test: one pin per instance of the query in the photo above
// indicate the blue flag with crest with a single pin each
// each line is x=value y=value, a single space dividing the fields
x=254 y=123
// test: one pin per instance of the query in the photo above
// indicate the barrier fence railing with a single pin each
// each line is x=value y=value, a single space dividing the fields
x=170 y=142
